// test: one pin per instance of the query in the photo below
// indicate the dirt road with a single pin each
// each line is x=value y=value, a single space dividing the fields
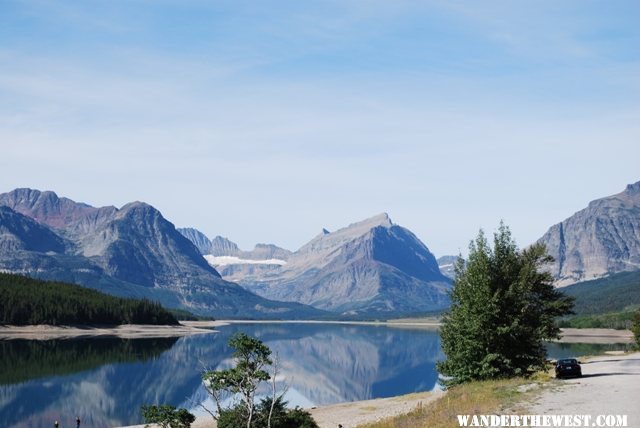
x=610 y=386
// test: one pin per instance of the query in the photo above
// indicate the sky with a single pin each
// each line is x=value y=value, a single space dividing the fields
x=266 y=121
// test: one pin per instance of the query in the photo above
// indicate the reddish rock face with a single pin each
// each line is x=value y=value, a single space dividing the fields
x=131 y=251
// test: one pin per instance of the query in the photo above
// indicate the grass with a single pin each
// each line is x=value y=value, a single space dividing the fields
x=473 y=398
x=617 y=320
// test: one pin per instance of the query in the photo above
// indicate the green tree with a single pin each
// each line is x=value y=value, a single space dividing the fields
x=635 y=328
x=503 y=308
x=267 y=414
x=167 y=416
x=251 y=358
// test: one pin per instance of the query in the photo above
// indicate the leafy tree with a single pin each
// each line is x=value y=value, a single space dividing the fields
x=281 y=417
x=503 y=308
x=266 y=416
x=167 y=416
x=636 y=327
x=251 y=358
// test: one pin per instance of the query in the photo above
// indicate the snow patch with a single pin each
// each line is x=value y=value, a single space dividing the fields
x=233 y=260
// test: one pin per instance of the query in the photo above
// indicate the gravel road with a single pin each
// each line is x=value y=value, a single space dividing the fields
x=610 y=385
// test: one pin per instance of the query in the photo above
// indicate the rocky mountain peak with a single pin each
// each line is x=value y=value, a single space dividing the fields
x=138 y=206
x=601 y=239
x=46 y=207
x=199 y=239
x=633 y=188
x=221 y=246
x=133 y=251
x=326 y=240
x=367 y=267
x=380 y=220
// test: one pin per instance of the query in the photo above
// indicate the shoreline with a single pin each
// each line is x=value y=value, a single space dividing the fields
x=595 y=336
x=391 y=323
x=125 y=331
x=350 y=414
x=356 y=413
x=187 y=328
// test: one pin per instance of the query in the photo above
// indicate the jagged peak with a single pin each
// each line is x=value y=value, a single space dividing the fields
x=345 y=234
x=33 y=197
x=192 y=232
x=137 y=205
x=27 y=191
x=381 y=219
x=221 y=246
x=219 y=238
x=633 y=188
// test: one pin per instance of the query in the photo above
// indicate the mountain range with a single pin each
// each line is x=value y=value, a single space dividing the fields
x=132 y=251
x=371 y=267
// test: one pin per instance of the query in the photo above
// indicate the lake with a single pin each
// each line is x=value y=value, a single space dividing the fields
x=106 y=380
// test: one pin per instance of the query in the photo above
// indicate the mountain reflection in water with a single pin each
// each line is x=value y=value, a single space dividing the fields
x=105 y=381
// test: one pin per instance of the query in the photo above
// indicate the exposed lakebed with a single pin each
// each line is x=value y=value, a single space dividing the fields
x=106 y=380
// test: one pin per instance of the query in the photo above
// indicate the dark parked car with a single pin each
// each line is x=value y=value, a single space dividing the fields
x=568 y=367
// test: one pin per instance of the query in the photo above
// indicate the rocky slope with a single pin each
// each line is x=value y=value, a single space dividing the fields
x=369 y=268
x=132 y=251
x=21 y=233
x=223 y=247
x=199 y=239
x=601 y=239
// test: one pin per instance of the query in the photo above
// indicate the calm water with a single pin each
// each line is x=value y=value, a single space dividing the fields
x=106 y=380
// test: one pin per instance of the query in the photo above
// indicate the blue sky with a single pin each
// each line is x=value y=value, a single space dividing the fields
x=266 y=121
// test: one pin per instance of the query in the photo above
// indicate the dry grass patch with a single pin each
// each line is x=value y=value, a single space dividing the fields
x=474 y=398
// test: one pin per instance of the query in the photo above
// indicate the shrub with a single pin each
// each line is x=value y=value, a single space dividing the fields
x=167 y=416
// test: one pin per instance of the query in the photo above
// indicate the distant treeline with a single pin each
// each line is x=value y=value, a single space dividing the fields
x=617 y=320
x=26 y=301
x=184 y=315
x=608 y=302
x=614 y=293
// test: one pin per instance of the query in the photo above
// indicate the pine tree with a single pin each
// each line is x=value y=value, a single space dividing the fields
x=503 y=309
x=635 y=328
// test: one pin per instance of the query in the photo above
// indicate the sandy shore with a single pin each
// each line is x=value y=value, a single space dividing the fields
x=353 y=414
x=128 y=331
x=427 y=323
x=131 y=331
x=595 y=335
x=360 y=412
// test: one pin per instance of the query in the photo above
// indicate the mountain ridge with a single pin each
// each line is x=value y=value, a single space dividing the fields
x=132 y=252
x=599 y=240
x=372 y=266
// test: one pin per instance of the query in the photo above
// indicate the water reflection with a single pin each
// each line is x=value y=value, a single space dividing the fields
x=61 y=379
x=105 y=381
x=328 y=364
